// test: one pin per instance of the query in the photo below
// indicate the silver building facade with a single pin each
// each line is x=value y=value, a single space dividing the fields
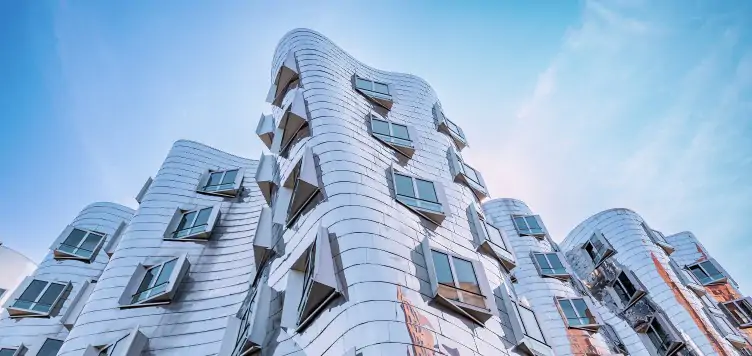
x=363 y=231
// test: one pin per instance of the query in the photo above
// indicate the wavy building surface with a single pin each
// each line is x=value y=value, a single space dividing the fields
x=365 y=232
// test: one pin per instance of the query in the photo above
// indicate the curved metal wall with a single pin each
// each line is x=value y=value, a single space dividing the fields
x=218 y=280
x=15 y=267
x=636 y=251
x=101 y=217
x=540 y=291
x=385 y=311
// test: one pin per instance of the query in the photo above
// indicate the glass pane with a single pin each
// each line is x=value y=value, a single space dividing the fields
x=400 y=131
x=745 y=308
x=582 y=310
x=145 y=283
x=569 y=313
x=75 y=237
x=214 y=179
x=186 y=221
x=629 y=288
x=443 y=271
x=50 y=348
x=381 y=88
x=164 y=275
x=448 y=292
x=7 y=352
x=90 y=244
x=494 y=235
x=426 y=190
x=553 y=259
x=470 y=173
x=404 y=185
x=713 y=272
x=363 y=84
x=532 y=222
x=530 y=323
x=590 y=249
x=473 y=299
x=466 y=275
x=33 y=291
x=380 y=127
x=699 y=273
x=203 y=217
x=737 y=310
x=229 y=177
x=542 y=262
x=49 y=296
x=519 y=222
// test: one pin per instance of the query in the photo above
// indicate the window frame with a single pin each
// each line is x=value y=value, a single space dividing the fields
x=528 y=231
x=640 y=290
x=174 y=280
x=676 y=342
x=459 y=168
x=436 y=216
x=293 y=119
x=19 y=350
x=600 y=256
x=61 y=255
x=286 y=75
x=303 y=175
x=384 y=100
x=658 y=238
x=724 y=278
x=480 y=226
x=613 y=339
x=404 y=149
x=447 y=127
x=199 y=236
x=593 y=323
x=132 y=344
x=231 y=192
x=267 y=177
x=523 y=341
x=35 y=351
x=561 y=276
x=747 y=303
x=18 y=312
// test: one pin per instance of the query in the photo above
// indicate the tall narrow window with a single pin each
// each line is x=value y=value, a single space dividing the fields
x=549 y=265
x=377 y=92
x=577 y=314
x=740 y=311
x=419 y=195
x=528 y=225
x=707 y=273
x=457 y=280
x=628 y=288
x=394 y=135
x=50 y=347
x=38 y=298
x=615 y=344
x=530 y=326
x=489 y=239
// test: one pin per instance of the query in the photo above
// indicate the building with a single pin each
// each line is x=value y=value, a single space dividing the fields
x=15 y=267
x=363 y=232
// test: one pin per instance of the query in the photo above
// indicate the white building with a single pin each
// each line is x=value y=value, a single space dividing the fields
x=14 y=267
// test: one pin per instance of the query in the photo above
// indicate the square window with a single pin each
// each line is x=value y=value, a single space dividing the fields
x=549 y=265
x=155 y=281
x=155 y=284
x=420 y=195
x=528 y=225
x=78 y=244
x=223 y=183
x=577 y=314
x=38 y=298
x=707 y=273
x=446 y=126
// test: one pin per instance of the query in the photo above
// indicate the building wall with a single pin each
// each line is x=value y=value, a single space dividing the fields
x=101 y=217
x=15 y=267
x=218 y=280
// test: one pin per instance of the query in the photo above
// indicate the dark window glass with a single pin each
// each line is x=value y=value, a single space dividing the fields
x=381 y=88
x=404 y=185
x=7 y=352
x=426 y=190
x=569 y=313
x=143 y=288
x=400 y=131
x=49 y=297
x=203 y=217
x=74 y=238
x=363 y=84
x=627 y=286
x=713 y=272
x=90 y=243
x=466 y=275
x=380 y=127
x=32 y=292
x=542 y=262
x=187 y=220
x=519 y=221
x=215 y=179
x=532 y=222
x=50 y=347
x=443 y=270
x=230 y=176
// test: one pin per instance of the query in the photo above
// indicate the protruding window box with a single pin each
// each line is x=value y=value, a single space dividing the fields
x=377 y=92
x=37 y=298
x=465 y=174
x=577 y=314
x=265 y=129
x=144 y=189
x=19 y=350
x=312 y=283
x=658 y=239
x=131 y=344
x=446 y=126
x=294 y=117
x=662 y=334
x=114 y=240
x=549 y=265
x=246 y=331
x=424 y=197
x=628 y=288
x=459 y=284
x=598 y=248
x=707 y=273
x=263 y=239
x=267 y=176
x=155 y=283
x=740 y=311
x=527 y=334
x=287 y=75
x=77 y=302
x=300 y=188
x=192 y=224
x=226 y=183
x=397 y=136
x=490 y=239
x=76 y=243
x=529 y=225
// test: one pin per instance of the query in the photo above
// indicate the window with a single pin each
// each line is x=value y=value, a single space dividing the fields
x=395 y=135
x=598 y=248
x=375 y=91
x=740 y=311
x=246 y=330
x=7 y=351
x=612 y=338
x=577 y=314
x=267 y=176
x=528 y=225
x=490 y=239
x=628 y=288
x=155 y=284
x=78 y=244
x=263 y=240
x=192 y=224
x=527 y=335
x=38 y=298
x=467 y=175
x=50 y=347
x=419 y=195
x=549 y=265
x=224 y=183
x=662 y=336
x=143 y=190
x=312 y=283
x=302 y=187
x=530 y=326
x=707 y=273
x=658 y=239
x=293 y=119
x=446 y=126
x=265 y=130
x=286 y=77
x=132 y=343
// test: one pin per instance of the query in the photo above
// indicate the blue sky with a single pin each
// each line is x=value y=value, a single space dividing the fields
x=571 y=106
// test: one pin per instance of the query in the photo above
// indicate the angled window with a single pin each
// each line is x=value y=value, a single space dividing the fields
x=549 y=265
x=2 y=291
x=78 y=244
x=449 y=128
x=77 y=298
x=725 y=328
x=376 y=92
x=612 y=338
x=658 y=239
x=397 y=136
x=526 y=330
x=225 y=183
x=628 y=288
x=192 y=225
x=707 y=273
x=529 y=322
x=577 y=314
x=50 y=347
x=263 y=241
x=155 y=284
x=131 y=344
x=467 y=175
x=688 y=279
x=529 y=225
x=303 y=185
x=37 y=298
x=267 y=176
x=459 y=284
x=598 y=248
x=13 y=351
x=662 y=336
x=312 y=283
x=265 y=129
x=285 y=79
x=490 y=239
x=293 y=119
x=246 y=330
x=144 y=189
x=424 y=197
x=740 y=311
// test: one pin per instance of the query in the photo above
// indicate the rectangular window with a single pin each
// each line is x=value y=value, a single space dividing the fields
x=40 y=296
x=494 y=235
x=741 y=311
x=50 y=347
x=659 y=337
x=528 y=225
x=576 y=312
x=598 y=248
x=706 y=272
x=155 y=281
x=549 y=264
x=390 y=132
x=454 y=128
x=416 y=192
x=8 y=352
x=370 y=85
x=80 y=243
x=530 y=326
x=219 y=181
x=112 y=349
x=615 y=344
x=192 y=223
x=457 y=279
x=625 y=289
x=305 y=309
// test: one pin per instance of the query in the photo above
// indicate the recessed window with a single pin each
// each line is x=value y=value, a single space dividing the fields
x=662 y=336
x=740 y=311
x=528 y=225
x=193 y=224
x=577 y=314
x=628 y=288
x=598 y=248
x=446 y=126
x=79 y=244
x=38 y=299
x=707 y=273
x=529 y=322
x=420 y=195
x=377 y=92
x=225 y=183
x=155 y=284
x=395 y=135
x=549 y=265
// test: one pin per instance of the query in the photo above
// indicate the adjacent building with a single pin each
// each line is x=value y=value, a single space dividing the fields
x=15 y=267
x=364 y=231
